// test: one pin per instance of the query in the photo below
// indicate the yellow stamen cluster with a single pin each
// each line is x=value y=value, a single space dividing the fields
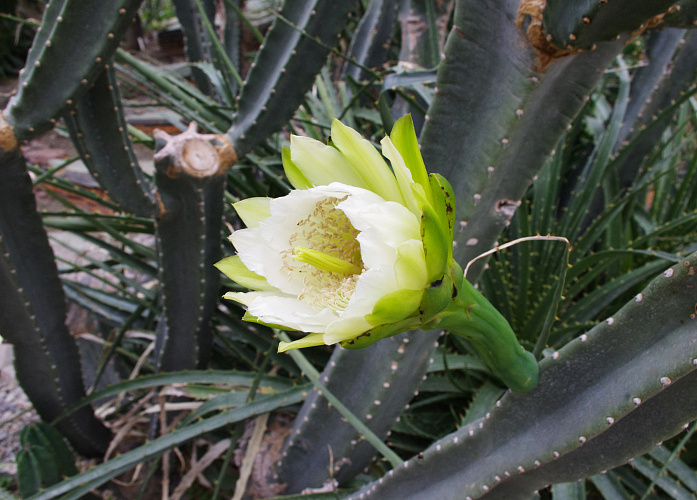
x=325 y=230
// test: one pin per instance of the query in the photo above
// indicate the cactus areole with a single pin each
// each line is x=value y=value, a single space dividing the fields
x=360 y=251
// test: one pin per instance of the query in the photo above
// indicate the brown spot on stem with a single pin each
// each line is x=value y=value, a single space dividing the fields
x=8 y=140
x=546 y=51
x=506 y=207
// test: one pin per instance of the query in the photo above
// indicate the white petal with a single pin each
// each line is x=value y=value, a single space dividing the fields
x=292 y=313
x=410 y=268
x=345 y=329
x=267 y=248
x=376 y=254
x=246 y=298
x=394 y=221
x=373 y=284
x=391 y=249
x=259 y=254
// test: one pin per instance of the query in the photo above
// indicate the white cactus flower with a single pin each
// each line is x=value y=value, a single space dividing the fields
x=343 y=252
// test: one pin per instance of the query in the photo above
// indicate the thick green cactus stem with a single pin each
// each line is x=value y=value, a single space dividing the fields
x=99 y=132
x=493 y=155
x=232 y=36
x=582 y=24
x=46 y=89
x=680 y=81
x=32 y=309
x=375 y=384
x=619 y=389
x=424 y=27
x=198 y=46
x=371 y=40
x=660 y=49
x=294 y=51
x=190 y=175
x=486 y=54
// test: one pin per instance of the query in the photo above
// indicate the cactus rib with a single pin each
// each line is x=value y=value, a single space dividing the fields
x=385 y=389
x=198 y=45
x=660 y=49
x=486 y=54
x=622 y=387
x=285 y=68
x=671 y=89
x=370 y=42
x=190 y=175
x=32 y=312
x=424 y=27
x=492 y=156
x=81 y=58
x=98 y=130
x=582 y=24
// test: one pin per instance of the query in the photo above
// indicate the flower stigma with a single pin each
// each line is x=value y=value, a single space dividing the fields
x=330 y=256
x=325 y=262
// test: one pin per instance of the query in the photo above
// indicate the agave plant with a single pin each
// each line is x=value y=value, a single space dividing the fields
x=560 y=118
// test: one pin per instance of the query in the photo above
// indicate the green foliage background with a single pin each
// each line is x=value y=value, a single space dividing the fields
x=599 y=147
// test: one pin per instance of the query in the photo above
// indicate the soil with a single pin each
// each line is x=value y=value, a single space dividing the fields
x=16 y=412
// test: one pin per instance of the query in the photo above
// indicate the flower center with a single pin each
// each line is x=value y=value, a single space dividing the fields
x=324 y=251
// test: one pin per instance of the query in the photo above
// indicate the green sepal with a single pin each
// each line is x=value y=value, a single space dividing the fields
x=380 y=332
x=444 y=204
x=403 y=136
x=253 y=210
x=233 y=268
x=311 y=340
x=436 y=298
x=322 y=164
x=395 y=306
x=253 y=319
x=293 y=173
x=368 y=163
x=437 y=245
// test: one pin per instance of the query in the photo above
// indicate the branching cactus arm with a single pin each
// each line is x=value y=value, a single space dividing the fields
x=99 y=131
x=81 y=58
x=580 y=24
x=191 y=170
x=293 y=53
x=33 y=310
x=620 y=389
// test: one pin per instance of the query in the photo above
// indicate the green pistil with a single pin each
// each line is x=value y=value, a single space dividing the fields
x=325 y=262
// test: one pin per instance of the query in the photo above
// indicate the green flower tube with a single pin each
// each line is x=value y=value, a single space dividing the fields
x=361 y=250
